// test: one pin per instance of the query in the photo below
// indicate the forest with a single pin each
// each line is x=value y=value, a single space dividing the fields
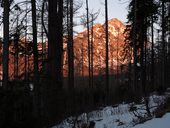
x=50 y=71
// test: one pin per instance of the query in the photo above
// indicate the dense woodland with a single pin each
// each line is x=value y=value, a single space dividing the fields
x=39 y=84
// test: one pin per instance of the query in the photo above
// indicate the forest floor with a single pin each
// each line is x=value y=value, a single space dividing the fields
x=125 y=115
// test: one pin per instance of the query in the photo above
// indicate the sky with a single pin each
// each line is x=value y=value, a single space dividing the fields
x=116 y=9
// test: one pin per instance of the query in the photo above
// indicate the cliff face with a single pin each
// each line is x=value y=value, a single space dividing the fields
x=17 y=61
x=116 y=52
x=116 y=44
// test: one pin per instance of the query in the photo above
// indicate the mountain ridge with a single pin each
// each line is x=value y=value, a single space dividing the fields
x=116 y=44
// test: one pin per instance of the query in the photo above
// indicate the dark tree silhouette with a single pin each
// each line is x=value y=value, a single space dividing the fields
x=70 y=46
x=107 y=49
x=6 y=4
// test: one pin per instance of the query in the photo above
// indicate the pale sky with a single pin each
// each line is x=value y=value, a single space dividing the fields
x=116 y=9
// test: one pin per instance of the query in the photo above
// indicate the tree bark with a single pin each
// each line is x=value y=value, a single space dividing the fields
x=152 y=55
x=134 y=50
x=88 y=41
x=55 y=51
x=163 y=46
x=92 y=49
x=6 y=43
x=107 y=51
x=70 y=45
x=36 y=68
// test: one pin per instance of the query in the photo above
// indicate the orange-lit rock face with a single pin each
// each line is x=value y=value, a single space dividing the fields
x=116 y=52
x=116 y=45
x=20 y=63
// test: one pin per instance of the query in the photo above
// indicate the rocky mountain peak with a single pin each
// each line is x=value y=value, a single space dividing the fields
x=97 y=41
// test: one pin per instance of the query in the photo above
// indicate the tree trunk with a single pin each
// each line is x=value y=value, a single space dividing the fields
x=163 y=46
x=35 y=49
x=152 y=55
x=25 y=56
x=70 y=45
x=134 y=50
x=35 y=52
x=88 y=41
x=92 y=53
x=55 y=51
x=107 y=51
x=16 y=57
x=6 y=112
x=6 y=43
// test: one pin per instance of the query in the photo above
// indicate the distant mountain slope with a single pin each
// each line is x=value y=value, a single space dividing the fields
x=116 y=43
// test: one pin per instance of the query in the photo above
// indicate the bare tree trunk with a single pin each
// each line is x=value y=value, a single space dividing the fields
x=42 y=19
x=163 y=46
x=6 y=43
x=152 y=55
x=142 y=66
x=59 y=37
x=16 y=41
x=134 y=50
x=42 y=38
x=54 y=44
x=25 y=56
x=35 y=52
x=107 y=50
x=52 y=61
x=55 y=54
x=35 y=49
x=70 y=45
x=82 y=55
x=6 y=112
x=92 y=52
x=117 y=74
x=88 y=41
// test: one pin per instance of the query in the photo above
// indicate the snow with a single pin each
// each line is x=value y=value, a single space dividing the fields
x=163 y=122
x=121 y=116
x=138 y=64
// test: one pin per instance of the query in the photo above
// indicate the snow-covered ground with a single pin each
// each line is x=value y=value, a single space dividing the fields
x=163 y=122
x=121 y=116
